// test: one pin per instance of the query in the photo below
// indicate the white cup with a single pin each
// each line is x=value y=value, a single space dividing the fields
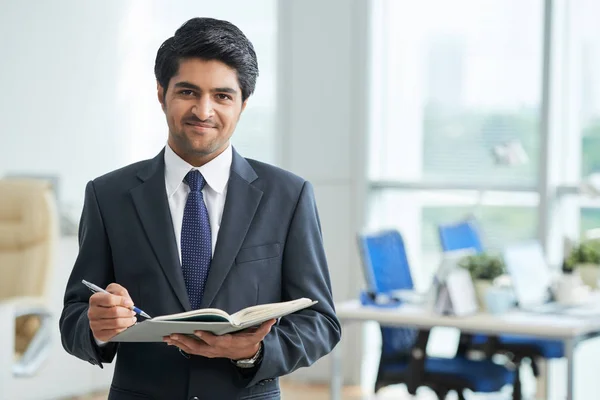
x=570 y=289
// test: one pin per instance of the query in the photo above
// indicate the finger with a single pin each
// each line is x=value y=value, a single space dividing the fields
x=207 y=337
x=229 y=344
x=118 y=290
x=270 y=323
x=188 y=341
x=264 y=329
x=192 y=345
x=109 y=300
x=246 y=331
x=96 y=313
x=113 y=323
x=107 y=334
x=225 y=343
x=255 y=328
x=183 y=347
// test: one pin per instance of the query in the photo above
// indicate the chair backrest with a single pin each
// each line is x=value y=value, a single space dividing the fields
x=386 y=268
x=28 y=234
x=460 y=236
x=384 y=261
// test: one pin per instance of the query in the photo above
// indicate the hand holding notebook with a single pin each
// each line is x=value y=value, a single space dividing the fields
x=209 y=319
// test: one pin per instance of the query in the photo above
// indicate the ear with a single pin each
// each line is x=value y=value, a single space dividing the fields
x=160 y=93
x=244 y=104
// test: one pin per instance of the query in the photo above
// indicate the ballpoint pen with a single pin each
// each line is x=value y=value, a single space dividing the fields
x=97 y=289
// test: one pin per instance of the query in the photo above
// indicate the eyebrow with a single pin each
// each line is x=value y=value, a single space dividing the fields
x=188 y=85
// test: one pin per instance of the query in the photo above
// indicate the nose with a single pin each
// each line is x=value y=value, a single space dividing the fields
x=203 y=109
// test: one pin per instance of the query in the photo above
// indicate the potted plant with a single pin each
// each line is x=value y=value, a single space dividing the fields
x=585 y=259
x=484 y=268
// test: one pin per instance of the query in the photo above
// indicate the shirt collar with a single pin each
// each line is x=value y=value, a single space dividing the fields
x=215 y=172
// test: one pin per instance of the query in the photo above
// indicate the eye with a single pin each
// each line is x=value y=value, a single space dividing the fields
x=223 y=96
x=187 y=92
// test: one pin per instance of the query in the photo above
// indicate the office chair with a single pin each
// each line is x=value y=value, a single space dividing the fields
x=466 y=235
x=28 y=232
x=403 y=352
x=459 y=236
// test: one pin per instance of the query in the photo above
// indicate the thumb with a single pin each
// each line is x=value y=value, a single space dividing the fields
x=268 y=325
x=118 y=290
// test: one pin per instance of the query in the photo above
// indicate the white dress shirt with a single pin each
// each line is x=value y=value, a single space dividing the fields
x=216 y=175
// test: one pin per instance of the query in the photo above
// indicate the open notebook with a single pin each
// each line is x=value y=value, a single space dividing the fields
x=208 y=319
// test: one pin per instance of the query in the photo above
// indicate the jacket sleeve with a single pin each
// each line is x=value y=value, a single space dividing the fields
x=94 y=264
x=300 y=339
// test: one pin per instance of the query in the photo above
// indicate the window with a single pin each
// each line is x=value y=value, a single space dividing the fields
x=584 y=41
x=502 y=218
x=452 y=80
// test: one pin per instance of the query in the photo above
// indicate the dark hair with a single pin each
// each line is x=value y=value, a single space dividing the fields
x=208 y=39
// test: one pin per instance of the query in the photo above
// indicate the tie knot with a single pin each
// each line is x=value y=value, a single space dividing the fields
x=195 y=180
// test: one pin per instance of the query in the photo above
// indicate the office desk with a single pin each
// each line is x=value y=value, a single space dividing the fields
x=571 y=330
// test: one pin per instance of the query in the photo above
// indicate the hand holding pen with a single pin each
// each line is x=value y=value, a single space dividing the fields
x=111 y=311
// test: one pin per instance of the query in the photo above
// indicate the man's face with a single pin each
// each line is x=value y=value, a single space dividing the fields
x=203 y=105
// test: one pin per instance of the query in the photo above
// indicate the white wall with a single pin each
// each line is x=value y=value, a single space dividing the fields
x=323 y=126
x=57 y=106
x=78 y=88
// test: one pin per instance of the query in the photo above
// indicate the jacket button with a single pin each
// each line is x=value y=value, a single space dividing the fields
x=194 y=398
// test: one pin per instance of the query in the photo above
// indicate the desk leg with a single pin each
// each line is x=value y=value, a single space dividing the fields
x=543 y=382
x=547 y=374
x=337 y=376
x=569 y=354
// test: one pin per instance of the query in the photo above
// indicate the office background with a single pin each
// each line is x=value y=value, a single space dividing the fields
x=389 y=107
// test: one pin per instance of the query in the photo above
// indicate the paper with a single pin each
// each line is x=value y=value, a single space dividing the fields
x=461 y=292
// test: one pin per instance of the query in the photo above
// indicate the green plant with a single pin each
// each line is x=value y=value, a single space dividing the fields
x=587 y=252
x=483 y=266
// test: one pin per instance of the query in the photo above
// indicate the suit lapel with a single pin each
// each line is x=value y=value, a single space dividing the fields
x=150 y=199
x=240 y=206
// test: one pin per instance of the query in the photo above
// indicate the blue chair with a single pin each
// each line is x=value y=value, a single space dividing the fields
x=460 y=236
x=465 y=235
x=403 y=352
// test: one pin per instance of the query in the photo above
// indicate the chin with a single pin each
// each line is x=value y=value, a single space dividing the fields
x=204 y=148
x=197 y=145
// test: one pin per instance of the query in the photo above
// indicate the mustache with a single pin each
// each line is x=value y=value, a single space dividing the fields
x=196 y=120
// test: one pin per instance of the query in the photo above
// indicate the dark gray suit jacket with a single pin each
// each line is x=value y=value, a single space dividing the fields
x=269 y=249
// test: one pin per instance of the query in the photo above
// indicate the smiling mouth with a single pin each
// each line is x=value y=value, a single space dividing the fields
x=200 y=125
x=201 y=129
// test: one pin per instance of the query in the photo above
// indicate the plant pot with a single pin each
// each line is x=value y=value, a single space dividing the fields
x=589 y=274
x=481 y=287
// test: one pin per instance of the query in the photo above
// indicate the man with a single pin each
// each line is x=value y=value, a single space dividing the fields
x=199 y=226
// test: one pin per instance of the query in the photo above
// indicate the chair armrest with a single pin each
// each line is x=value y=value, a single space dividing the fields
x=39 y=347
